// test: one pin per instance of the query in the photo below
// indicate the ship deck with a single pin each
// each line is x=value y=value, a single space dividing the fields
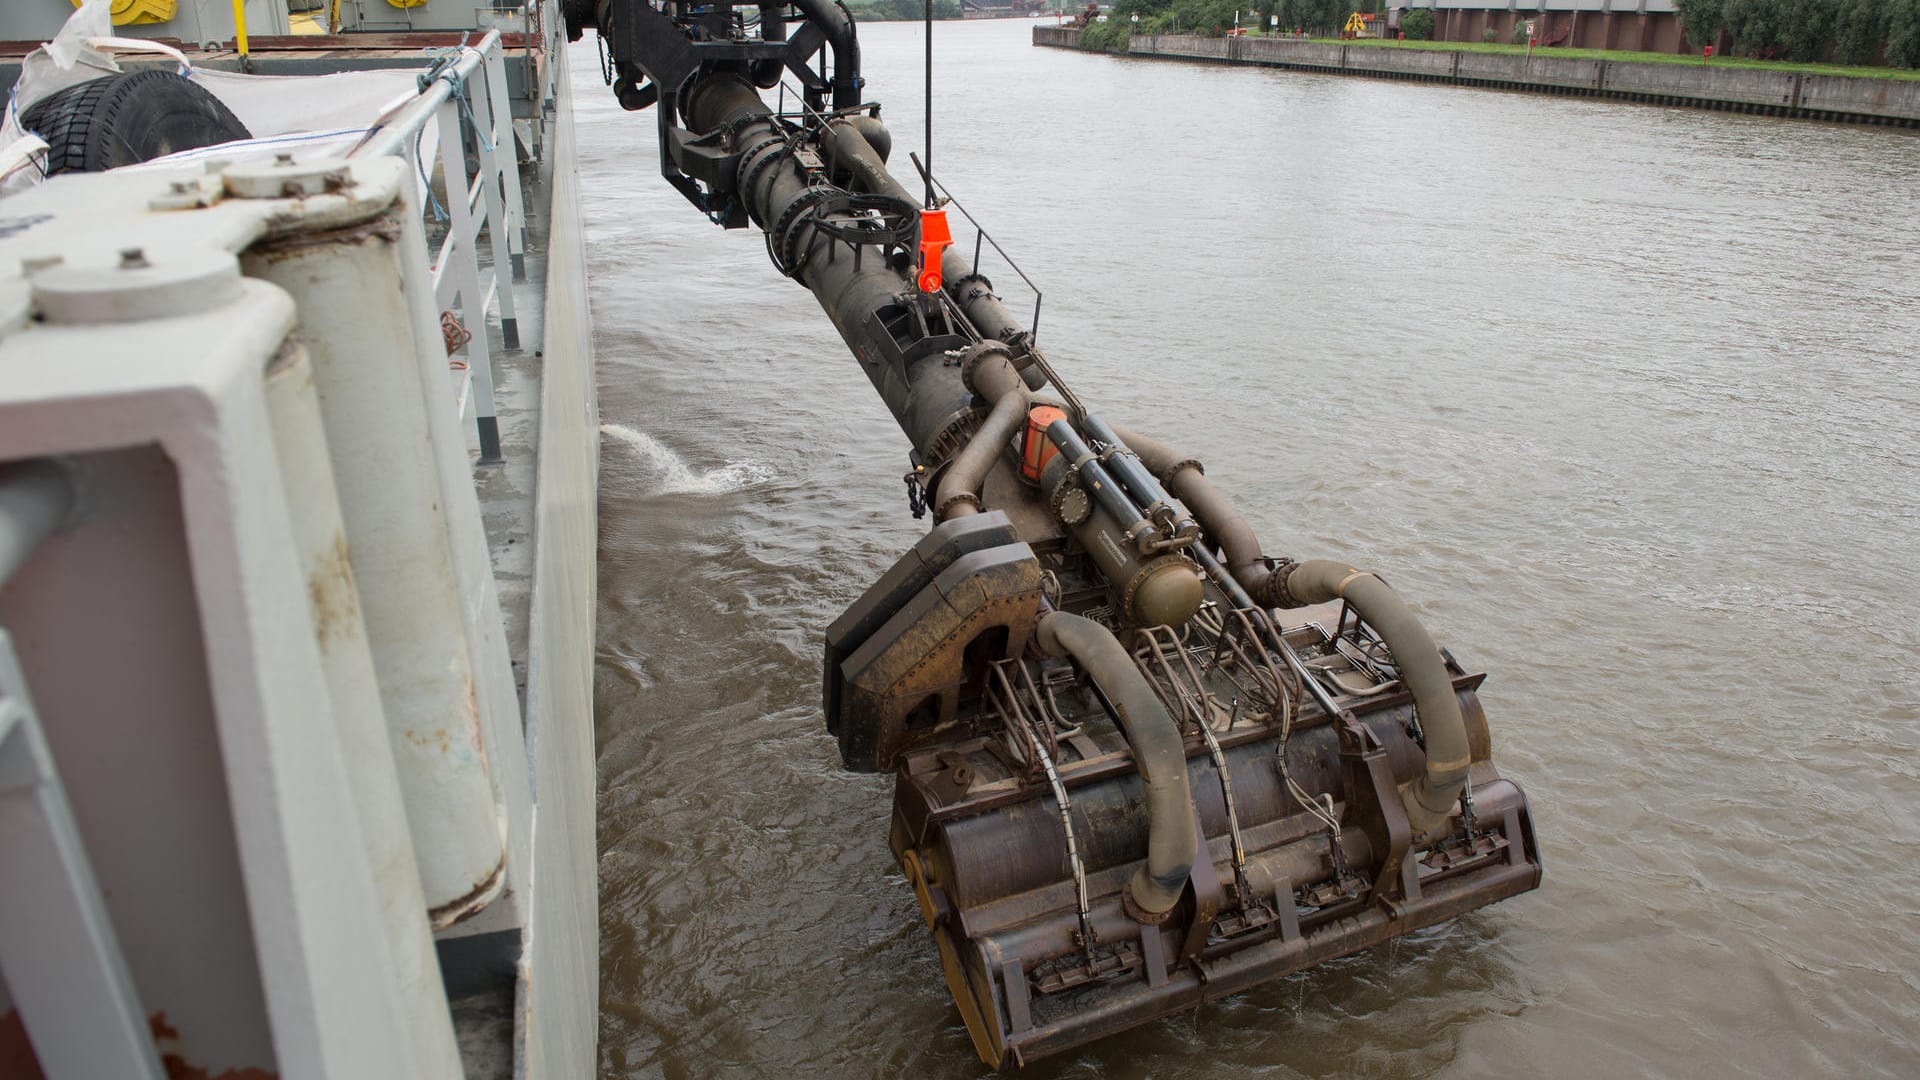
x=520 y=974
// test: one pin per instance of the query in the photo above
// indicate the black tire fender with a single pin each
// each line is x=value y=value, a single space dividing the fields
x=127 y=118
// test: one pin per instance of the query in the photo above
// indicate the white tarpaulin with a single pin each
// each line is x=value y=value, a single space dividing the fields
x=310 y=115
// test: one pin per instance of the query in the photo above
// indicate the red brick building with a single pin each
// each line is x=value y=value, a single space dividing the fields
x=1637 y=25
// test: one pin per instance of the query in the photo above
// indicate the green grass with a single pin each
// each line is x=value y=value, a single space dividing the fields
x=1635 y=57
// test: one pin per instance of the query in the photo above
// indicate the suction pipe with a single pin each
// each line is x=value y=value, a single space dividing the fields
x=1186 y=480
x=853 y=147
x=1158 y=752
x=991 y=375
x=1289 y=585
x=1431 y=797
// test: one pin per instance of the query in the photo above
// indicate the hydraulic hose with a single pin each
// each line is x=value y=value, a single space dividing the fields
x=1158 y=752
x=1431 y=797
x=993 y=378
x=1186 y=480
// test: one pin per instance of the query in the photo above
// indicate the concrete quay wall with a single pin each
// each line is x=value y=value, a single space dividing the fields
x=1756 y=90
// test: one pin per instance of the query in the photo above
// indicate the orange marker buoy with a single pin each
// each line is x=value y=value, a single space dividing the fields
x=1037 y=450
x=935 y=238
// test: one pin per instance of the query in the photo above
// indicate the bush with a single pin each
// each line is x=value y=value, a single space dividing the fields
x=1903 y=33
x=1701 y=19
x=1317 y=17
x=1858 y=29
x=1489 y=35
x=1205 y=17
x=1110 y=36
x=1759 y=27
x=1807 y=28
x=1519 y=35
x=1418 y=24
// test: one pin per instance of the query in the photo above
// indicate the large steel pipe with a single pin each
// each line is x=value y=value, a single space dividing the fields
x=837 y=25
x=862 y=295
x=1186 y=480
x=353 y=688
x=994 y=379
x=853 y=152
x=1159 y=753
x=1431 y=797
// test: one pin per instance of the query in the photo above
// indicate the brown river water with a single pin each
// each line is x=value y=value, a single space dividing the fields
x=1625 y=398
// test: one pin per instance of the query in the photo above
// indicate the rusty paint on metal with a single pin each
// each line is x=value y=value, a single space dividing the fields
x=384 y=228
x=472 y=717
x=166 y=1039
x=333 y=595
x=17 y=1060
x=471 y=904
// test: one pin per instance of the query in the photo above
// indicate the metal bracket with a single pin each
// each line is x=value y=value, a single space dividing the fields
x=1373 y=800
x=63 y=963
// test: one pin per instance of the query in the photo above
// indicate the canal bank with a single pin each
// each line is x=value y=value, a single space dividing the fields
x=1840 y=98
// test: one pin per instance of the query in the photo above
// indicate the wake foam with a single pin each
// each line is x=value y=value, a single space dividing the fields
x=677 y=477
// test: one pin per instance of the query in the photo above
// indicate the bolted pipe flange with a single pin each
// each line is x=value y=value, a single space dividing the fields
x=285 y=178
x=974 y=354
x=970 y=287
x=138 y=288
x=1166 y=592
x=1139 y=914
x=948 y=503
x=1070 y=502
x=1277 y=594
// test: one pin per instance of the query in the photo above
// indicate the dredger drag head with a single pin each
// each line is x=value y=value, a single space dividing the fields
x=1024 y=839
x=1105 y=823
x=1139 y=764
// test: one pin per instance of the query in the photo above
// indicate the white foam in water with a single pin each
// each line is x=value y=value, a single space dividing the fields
x=676 y=477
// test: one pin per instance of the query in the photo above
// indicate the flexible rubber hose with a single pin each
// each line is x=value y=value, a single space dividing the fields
x=995 y=380
x=1158 y=751
x=1431 y=797
x=1185 y=480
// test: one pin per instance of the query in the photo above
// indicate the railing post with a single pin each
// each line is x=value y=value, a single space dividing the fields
x=500 y=130
x=486 y=134
x=459 y=276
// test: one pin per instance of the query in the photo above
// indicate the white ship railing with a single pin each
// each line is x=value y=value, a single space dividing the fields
x=464 y=97
x=258 y=438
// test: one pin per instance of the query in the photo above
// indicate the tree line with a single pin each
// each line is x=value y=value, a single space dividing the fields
x=1853 y=32
x=1844 y=31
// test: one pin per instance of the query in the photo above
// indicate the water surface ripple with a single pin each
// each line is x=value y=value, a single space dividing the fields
x=1623 y=396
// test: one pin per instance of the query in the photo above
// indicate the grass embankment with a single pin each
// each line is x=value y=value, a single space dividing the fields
x=1636 y=57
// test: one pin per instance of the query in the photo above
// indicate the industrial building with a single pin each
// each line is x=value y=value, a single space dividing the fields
x=1637 y=25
